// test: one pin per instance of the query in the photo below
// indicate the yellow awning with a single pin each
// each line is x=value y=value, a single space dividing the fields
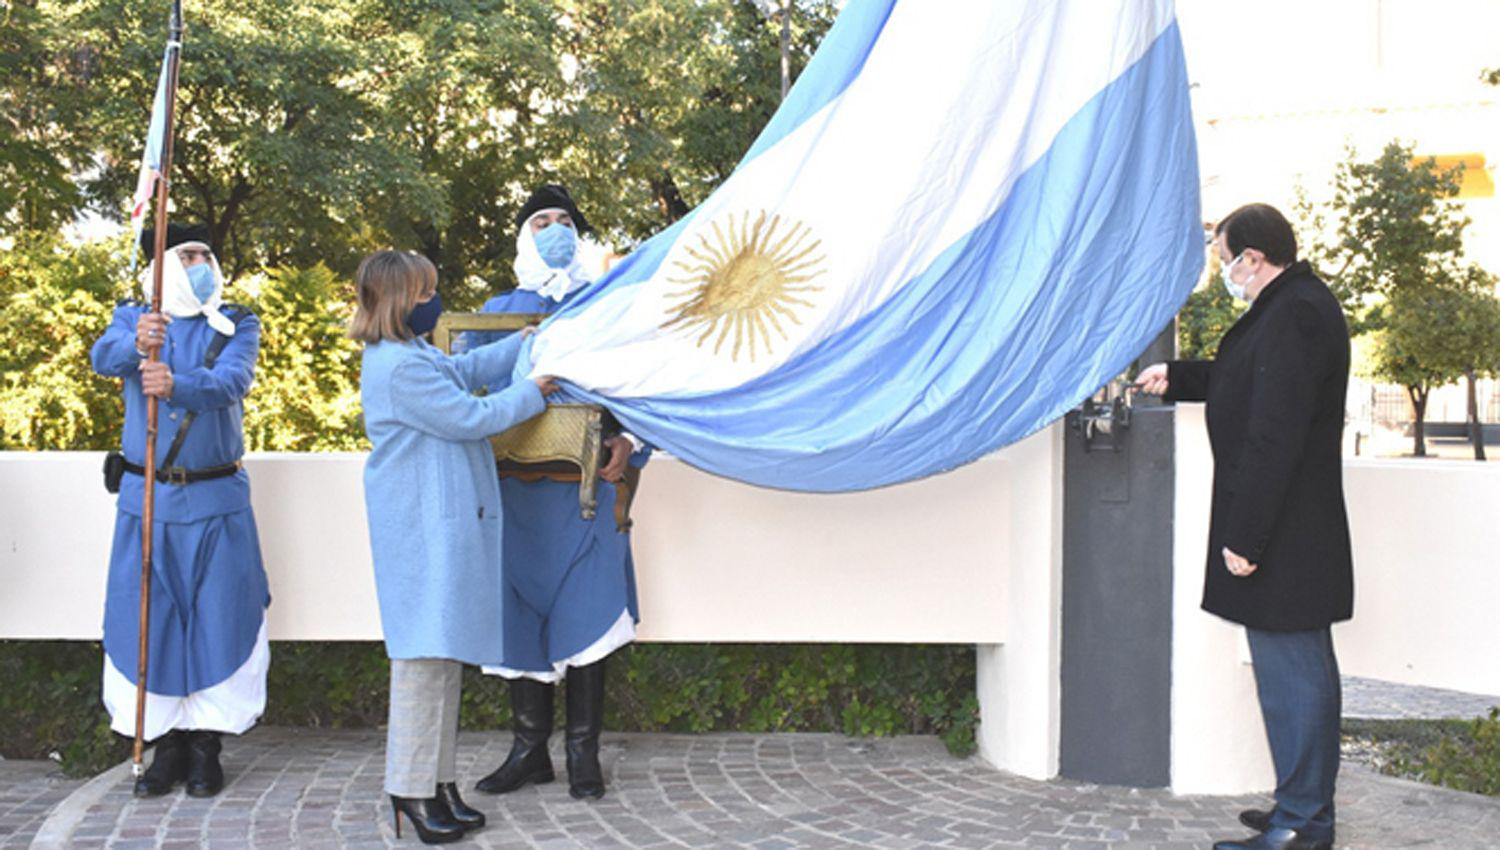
x=1477 y=181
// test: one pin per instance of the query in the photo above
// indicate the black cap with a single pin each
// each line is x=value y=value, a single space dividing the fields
x=552 y=196
x=176 y=235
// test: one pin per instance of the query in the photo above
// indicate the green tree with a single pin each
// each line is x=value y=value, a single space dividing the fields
x=1474 y=342
x=59 y=299
x=1396 y=228
x=39 y=89
x=276 y=146
x=465 y=92
x=668 y=96
x=1395 y=254
x=306 y=392
x=1434 y=336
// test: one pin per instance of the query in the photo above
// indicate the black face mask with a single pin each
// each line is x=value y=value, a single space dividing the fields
x=423 y=317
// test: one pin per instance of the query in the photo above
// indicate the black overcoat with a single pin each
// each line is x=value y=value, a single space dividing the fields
x=1275 y=413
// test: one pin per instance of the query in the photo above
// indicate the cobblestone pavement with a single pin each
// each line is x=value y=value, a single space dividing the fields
x=1372 y=699
x=29 y=791
x=321 y=788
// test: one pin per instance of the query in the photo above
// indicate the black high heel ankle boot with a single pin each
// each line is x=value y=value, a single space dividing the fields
x=585 y=723
x=467 y=817
x=531 y=705
x=431 y=817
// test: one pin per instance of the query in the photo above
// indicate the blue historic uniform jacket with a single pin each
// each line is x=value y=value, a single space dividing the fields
x=215 y=438
x=571 y=579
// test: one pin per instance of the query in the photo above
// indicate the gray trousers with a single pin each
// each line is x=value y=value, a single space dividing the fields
x=421 y=741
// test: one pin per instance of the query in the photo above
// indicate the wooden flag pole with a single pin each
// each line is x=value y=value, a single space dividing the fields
x=148 y=506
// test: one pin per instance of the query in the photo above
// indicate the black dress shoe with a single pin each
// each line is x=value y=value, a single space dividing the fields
x=531 y=708
x=431 y=816
x=169 y=766
x=205 y=777
x=1257 y=819
x=585 y=711
x=1275 y=839
x=467 y=817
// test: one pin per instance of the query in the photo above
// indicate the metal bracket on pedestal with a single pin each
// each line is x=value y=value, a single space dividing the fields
x=1102 y=422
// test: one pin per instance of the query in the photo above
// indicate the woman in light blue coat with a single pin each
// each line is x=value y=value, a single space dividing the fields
x=433 y=506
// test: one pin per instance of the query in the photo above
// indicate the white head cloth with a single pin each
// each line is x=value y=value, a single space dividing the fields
x=177 y=298
x=534 y=275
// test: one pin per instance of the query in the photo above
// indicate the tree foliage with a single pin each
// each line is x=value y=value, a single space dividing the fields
x=1395 y=254
x=306 y=393
x=39 y=97
x=59 y=299
x=315 y=132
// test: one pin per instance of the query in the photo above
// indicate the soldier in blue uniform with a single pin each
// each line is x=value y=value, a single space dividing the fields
x=571 y=599
x=207 y=635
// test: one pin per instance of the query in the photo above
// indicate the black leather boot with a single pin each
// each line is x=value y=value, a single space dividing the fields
x=585 y=722
x=205 y=777
x=531 y=703
x=169 y=766
x=468 y=818
x=431 y=816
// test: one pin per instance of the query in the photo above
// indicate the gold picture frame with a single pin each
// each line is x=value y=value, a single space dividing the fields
x=571 y=435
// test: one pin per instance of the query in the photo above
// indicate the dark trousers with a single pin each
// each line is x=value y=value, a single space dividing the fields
x=1297 y=678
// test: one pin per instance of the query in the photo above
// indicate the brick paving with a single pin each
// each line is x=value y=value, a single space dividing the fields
x=29 y=791
x=1372 y=699
x=322 y=789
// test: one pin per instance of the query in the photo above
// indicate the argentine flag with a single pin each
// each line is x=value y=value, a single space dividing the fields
x=967 y=216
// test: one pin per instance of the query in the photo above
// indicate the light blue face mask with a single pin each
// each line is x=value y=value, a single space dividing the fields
x=201 y=277
x=1236 y=290
x=557 y=243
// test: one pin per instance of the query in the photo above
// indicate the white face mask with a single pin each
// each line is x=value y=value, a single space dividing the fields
x=1236 y=290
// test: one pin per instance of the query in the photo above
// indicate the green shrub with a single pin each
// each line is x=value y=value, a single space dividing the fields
x=1466 y=759
x=1458 y=754
x=52 y=703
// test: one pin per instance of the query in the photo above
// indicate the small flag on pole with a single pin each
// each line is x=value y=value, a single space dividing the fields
x=145 y=185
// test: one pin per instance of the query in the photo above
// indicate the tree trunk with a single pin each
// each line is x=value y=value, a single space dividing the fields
x=1419 y=412
x=1476 y=427
x=786 y=48
x=668 y=198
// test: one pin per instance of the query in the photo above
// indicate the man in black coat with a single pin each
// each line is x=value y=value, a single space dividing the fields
x=1279 y=559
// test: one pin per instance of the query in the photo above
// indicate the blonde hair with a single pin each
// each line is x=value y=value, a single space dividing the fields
x=389 y=285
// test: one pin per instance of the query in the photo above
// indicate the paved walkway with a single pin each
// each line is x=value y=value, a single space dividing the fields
x=1372 y=699
x=321 y=788
x=29 y=791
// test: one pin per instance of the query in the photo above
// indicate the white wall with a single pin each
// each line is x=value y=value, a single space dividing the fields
x=1426 y=573
x=1218 y=742
x=928 y=561
x=1019 y=683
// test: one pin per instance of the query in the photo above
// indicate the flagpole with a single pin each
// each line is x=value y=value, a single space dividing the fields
x=148 y=506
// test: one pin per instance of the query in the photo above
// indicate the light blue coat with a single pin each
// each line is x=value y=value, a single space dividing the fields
x=431 y=495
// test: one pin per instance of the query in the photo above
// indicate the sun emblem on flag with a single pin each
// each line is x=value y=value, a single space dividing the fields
x=744 y=279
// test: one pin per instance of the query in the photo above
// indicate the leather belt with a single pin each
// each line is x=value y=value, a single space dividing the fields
x=178 y=475
x=568 y=472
